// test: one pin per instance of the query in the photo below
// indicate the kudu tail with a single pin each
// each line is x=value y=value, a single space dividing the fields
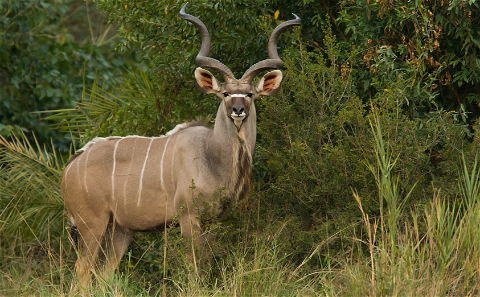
x=73 y=235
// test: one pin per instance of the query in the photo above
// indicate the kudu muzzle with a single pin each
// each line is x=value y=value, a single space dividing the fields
x=239 y=110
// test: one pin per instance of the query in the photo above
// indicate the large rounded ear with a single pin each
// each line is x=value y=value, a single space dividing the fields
x=206 y=82
x=270 y=83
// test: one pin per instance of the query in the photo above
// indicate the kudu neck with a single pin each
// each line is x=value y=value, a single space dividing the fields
x=226 y=134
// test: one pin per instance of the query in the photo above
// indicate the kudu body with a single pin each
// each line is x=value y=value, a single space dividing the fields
x=116 y=186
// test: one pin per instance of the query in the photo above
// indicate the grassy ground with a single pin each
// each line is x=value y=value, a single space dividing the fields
x=431 y=250
x=441 y=260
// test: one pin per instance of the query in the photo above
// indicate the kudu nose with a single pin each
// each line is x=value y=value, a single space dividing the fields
x=238 y=110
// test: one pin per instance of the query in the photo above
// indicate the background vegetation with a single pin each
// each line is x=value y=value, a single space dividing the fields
x=49 y=51
x=366 y=172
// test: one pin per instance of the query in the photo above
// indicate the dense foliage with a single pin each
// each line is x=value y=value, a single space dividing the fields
x=362 y=159
x=439 y=39
x=48 y=51
x=317 y=146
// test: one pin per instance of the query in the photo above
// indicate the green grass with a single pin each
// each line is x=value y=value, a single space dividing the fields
x=268 y=273
x=430 y=250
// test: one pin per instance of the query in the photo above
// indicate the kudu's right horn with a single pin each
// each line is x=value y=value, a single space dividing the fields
x=202 y=58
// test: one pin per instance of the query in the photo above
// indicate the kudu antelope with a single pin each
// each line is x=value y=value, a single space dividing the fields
x=116 y=186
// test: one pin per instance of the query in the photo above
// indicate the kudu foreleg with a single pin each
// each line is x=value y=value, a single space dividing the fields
x=191 y=231
x=197 y=240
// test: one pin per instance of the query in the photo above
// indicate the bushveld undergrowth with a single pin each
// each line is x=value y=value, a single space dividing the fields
x=429 y=250
x=349 y=198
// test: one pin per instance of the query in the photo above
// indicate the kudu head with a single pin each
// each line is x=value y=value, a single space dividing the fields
x=238 y=94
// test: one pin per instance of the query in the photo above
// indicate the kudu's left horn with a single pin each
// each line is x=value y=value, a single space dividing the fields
x=274 y=61
x=202 y=58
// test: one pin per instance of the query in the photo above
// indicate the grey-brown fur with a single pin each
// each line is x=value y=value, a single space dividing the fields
x=116 y=186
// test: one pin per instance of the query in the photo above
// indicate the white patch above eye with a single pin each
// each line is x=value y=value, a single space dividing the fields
x=238 y=95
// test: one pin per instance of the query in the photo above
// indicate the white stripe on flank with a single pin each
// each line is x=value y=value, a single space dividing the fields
x=141 y=174
x=128 y=174
x=85 y=172
x=113 y=168
x=161 y=162
x=173 y=157
x=171 y=173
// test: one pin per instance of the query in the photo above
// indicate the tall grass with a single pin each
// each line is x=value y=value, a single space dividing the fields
x=430 y=250
x=268 y=273
x=36 y=258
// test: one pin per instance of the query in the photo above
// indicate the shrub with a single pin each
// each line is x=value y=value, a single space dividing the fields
x=316 y=143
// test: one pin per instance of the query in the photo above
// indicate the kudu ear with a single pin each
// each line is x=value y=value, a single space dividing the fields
x=270 y=83
x=206 y=82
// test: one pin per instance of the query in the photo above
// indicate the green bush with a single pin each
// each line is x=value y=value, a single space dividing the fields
x=48 y=52
x=358 y=128
x=439 y=40
x=316 y=145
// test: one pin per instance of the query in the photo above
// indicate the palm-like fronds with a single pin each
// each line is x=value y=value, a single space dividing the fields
x=470 y=183
x=103 y=101
x=31 y=206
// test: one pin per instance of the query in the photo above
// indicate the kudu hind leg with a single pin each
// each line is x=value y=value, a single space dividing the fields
x=91 y=238
x=117 y=241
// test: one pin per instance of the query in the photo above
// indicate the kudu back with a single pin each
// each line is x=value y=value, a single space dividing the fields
x=116 y=186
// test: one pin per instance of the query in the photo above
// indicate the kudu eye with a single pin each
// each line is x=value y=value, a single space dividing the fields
x=250 y=95
x=225 y=94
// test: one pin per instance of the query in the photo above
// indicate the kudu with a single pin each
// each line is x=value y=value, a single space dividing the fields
x=116 y=186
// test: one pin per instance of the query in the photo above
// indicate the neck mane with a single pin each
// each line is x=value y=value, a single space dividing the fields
x=234 y=148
